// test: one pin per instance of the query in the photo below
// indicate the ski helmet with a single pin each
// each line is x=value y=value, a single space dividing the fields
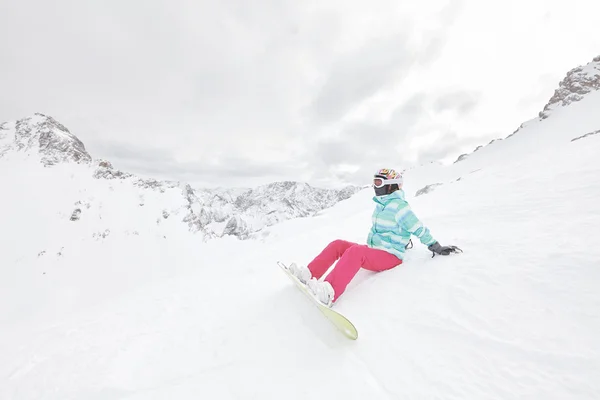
x=384 y=177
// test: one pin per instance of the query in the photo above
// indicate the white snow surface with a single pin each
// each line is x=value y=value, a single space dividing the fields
x=121 y=306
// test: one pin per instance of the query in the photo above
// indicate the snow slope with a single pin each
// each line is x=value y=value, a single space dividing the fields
x=151 y=314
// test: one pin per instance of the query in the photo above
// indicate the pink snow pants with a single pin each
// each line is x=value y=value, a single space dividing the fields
x=352 y=257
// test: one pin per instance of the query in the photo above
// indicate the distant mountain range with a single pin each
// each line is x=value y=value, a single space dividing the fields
x=213 y=213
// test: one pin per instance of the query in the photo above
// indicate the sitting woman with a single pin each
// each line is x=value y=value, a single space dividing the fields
x=393 y=224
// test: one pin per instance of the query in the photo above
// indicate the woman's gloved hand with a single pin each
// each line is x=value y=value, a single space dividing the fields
x=437 y=248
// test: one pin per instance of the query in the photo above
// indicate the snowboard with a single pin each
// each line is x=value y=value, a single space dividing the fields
x=339 y=321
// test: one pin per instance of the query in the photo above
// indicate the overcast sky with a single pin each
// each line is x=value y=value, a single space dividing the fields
x=241 y=93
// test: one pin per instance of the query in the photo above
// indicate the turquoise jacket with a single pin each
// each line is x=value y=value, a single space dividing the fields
x=393 y=224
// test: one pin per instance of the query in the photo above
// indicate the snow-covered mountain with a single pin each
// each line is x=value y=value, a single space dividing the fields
x=147 y=311
x=209 y=212
x=42 y=138
x=577 y=84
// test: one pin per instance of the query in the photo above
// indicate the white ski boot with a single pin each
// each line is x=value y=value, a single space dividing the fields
x=322 y=290
x=301 y=272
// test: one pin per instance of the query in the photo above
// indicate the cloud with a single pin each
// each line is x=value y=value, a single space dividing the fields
x=363 y=142
x=360 y=74
x=463 y=102
x=150 y=162
x=434 y=39
x=355 y=145
x=369 y=141
x=410 y=112
x=448 y=143
x=381 y=62
x=362 y=147
x=285 y=88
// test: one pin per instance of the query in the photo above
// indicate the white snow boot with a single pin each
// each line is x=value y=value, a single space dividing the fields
x=301 y=272
x=322 y=290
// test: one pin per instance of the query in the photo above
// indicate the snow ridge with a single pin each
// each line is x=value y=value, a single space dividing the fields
x=578 y=83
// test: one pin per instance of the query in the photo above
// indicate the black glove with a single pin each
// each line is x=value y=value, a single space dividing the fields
x=443 y=250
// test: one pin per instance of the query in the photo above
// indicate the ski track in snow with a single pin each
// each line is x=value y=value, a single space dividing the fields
x=159 y=314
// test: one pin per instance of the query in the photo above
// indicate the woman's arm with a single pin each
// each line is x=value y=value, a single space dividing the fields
x=407 y=220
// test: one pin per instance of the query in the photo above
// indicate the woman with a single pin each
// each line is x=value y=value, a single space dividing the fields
x=393 y=224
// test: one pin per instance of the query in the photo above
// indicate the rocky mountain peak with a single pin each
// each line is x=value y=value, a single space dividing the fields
x=43 y=135
x=578 y=82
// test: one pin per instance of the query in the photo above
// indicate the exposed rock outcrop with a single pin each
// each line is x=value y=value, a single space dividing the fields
x=578 y=82
x=43 y=135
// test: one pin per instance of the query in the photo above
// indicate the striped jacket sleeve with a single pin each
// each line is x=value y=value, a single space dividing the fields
x=406 y=218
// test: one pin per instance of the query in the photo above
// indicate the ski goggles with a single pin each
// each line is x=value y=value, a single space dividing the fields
x=380 y=182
